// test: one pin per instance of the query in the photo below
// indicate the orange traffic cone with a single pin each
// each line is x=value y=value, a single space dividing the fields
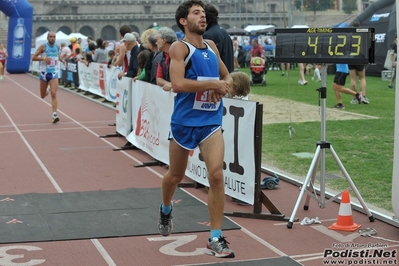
x=345 y=219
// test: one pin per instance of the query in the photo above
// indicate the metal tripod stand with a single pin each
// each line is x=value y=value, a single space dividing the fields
x=319 y=156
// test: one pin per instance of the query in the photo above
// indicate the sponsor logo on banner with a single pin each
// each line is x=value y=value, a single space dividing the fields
x=113 y=78
x=380 y=37
x=125 y=101
x=102 y=78
x=377 y=17
x=148 y=118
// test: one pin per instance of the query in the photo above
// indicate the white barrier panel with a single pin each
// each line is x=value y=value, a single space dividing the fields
x=34 y=66
x=123 y=106
x=151 y=111
x=239 y=161
x=93 y=78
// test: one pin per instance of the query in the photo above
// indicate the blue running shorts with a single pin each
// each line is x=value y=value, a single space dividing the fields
x=48 y=76
x=190 y=137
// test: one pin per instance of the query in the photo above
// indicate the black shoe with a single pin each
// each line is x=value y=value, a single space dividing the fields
x=165 y=223
x=339 y=106
x=55 y=119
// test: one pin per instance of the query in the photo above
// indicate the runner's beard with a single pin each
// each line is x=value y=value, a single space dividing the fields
x=192 y=27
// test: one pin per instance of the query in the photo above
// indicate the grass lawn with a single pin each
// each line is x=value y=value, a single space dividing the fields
x=364 y=146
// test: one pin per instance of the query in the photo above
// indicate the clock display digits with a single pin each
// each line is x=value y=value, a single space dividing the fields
x=341 y=42
x=313 y=43
x=325 y=45
x=330 y=51
x=355 y=44
x=300 y=46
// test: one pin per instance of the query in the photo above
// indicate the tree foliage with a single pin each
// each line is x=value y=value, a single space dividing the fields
x=349 y=6
x=314 y=5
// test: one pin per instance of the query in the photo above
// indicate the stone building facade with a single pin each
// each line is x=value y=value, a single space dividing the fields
x=102 y=18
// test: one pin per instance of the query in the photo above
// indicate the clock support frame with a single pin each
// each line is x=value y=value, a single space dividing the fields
x=319 y=158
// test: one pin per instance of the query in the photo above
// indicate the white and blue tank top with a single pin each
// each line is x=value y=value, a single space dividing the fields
x=193 y=109
x=50 y=66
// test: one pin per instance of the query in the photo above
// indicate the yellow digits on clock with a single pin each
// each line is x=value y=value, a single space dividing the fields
x=330 y=52
x=339 y=45
x=314 y=45
x=356 y=45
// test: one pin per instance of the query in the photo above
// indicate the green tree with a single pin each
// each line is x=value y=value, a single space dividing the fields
x=349 y=6
x=314 y=5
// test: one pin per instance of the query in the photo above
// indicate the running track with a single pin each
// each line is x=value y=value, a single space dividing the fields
x=37 y=156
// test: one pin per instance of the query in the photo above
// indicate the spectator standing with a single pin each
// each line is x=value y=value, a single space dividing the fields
x=142 y=58
x=285 y=67
x=220 y=37
x=73 y=45
x=166 y=36
x=89 y=56
x=257 y=50
x=80 y=43
x=393 y=54
x=316 y=73
x=302 y=80
x=144 y=39
x=358 y=71
x=122 y=59
x=342 y=71
x=235 y=52
x=100 y=54
x=89 y=40
x=132 y=51
x=151 y=65
x=199 y=78
x=3 y=57
x=111 y=58
x=66 y=52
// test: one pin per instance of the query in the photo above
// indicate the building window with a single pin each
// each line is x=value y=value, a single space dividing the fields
x=147 y=10
x=273 y=8
x=74 y=10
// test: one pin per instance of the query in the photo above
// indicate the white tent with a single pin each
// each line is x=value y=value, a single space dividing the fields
x=60 y=37
x=250 y=28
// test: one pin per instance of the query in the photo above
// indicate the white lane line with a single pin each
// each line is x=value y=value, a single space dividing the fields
x=95 y=242
x=49 y=176
x=48 y=129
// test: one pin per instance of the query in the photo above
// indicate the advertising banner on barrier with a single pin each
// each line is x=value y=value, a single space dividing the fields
x=93 y=78
x=111 y=84
x=123 y=106
x=72 y=68
x=239 y=156
x=151 y=111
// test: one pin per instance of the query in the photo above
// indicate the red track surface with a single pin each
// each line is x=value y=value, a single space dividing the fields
x=37 y=156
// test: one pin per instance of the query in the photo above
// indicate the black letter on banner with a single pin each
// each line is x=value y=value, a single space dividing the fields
x=235 y=167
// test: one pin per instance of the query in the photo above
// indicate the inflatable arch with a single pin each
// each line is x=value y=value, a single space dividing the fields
x=19 y=39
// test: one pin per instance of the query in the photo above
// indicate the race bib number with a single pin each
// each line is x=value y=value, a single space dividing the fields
x=52 y=63
x=201 y=98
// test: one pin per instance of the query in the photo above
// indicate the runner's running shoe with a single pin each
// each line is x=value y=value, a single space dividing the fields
x=55 y=119
x=218 y=247
x=165 y=223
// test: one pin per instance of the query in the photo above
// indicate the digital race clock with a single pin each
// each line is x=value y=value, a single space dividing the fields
x=325 y=45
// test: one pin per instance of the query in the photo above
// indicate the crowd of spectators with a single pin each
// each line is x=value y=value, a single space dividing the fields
x=146 y=57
